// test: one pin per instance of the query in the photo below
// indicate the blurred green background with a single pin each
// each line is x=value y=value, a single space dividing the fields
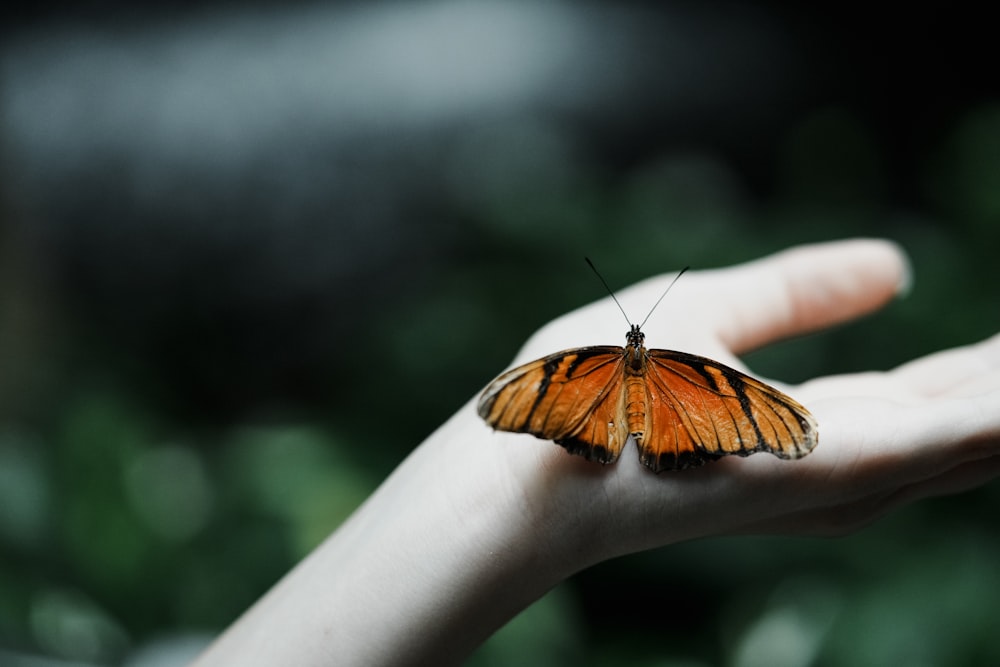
x=252 y=254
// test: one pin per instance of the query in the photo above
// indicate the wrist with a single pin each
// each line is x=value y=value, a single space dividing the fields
x=463 y=536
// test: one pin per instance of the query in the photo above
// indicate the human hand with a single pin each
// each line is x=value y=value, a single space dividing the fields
x=475 y=525
x=929 y=427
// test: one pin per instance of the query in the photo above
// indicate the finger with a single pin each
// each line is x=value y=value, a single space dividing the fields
x=971 y=370
x=961 y=478
x=802 y=289
x=968 y=370
x=791 y=292
x=844 y=519
x=869 y=449
x=873 y=442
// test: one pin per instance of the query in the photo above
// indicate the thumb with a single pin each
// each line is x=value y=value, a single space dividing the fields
x=803 y=289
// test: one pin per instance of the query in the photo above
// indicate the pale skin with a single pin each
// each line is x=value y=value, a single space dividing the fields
x=474 y=525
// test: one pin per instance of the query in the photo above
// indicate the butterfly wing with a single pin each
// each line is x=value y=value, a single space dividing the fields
x=698 y=410
x=573 y=397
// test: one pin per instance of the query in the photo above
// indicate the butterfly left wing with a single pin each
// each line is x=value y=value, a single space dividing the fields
x=698 y=410
x=573 y=397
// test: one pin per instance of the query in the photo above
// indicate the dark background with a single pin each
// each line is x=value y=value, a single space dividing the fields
x=252 y=254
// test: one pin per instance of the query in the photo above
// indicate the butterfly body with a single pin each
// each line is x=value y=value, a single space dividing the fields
x=682 y=410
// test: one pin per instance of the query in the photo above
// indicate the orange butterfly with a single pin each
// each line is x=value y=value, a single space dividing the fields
x=682 y=410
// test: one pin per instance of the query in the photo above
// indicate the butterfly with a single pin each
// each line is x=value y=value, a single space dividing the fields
x=682 y=410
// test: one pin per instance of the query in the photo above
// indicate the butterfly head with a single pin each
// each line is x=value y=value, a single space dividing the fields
x=634 y=349
x=635 y=337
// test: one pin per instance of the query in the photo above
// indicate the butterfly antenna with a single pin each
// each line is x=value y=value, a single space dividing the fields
x=679 y=274
x=605 y=283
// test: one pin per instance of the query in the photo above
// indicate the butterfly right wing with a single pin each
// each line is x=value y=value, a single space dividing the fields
x=700 y=409
x=573 y=397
